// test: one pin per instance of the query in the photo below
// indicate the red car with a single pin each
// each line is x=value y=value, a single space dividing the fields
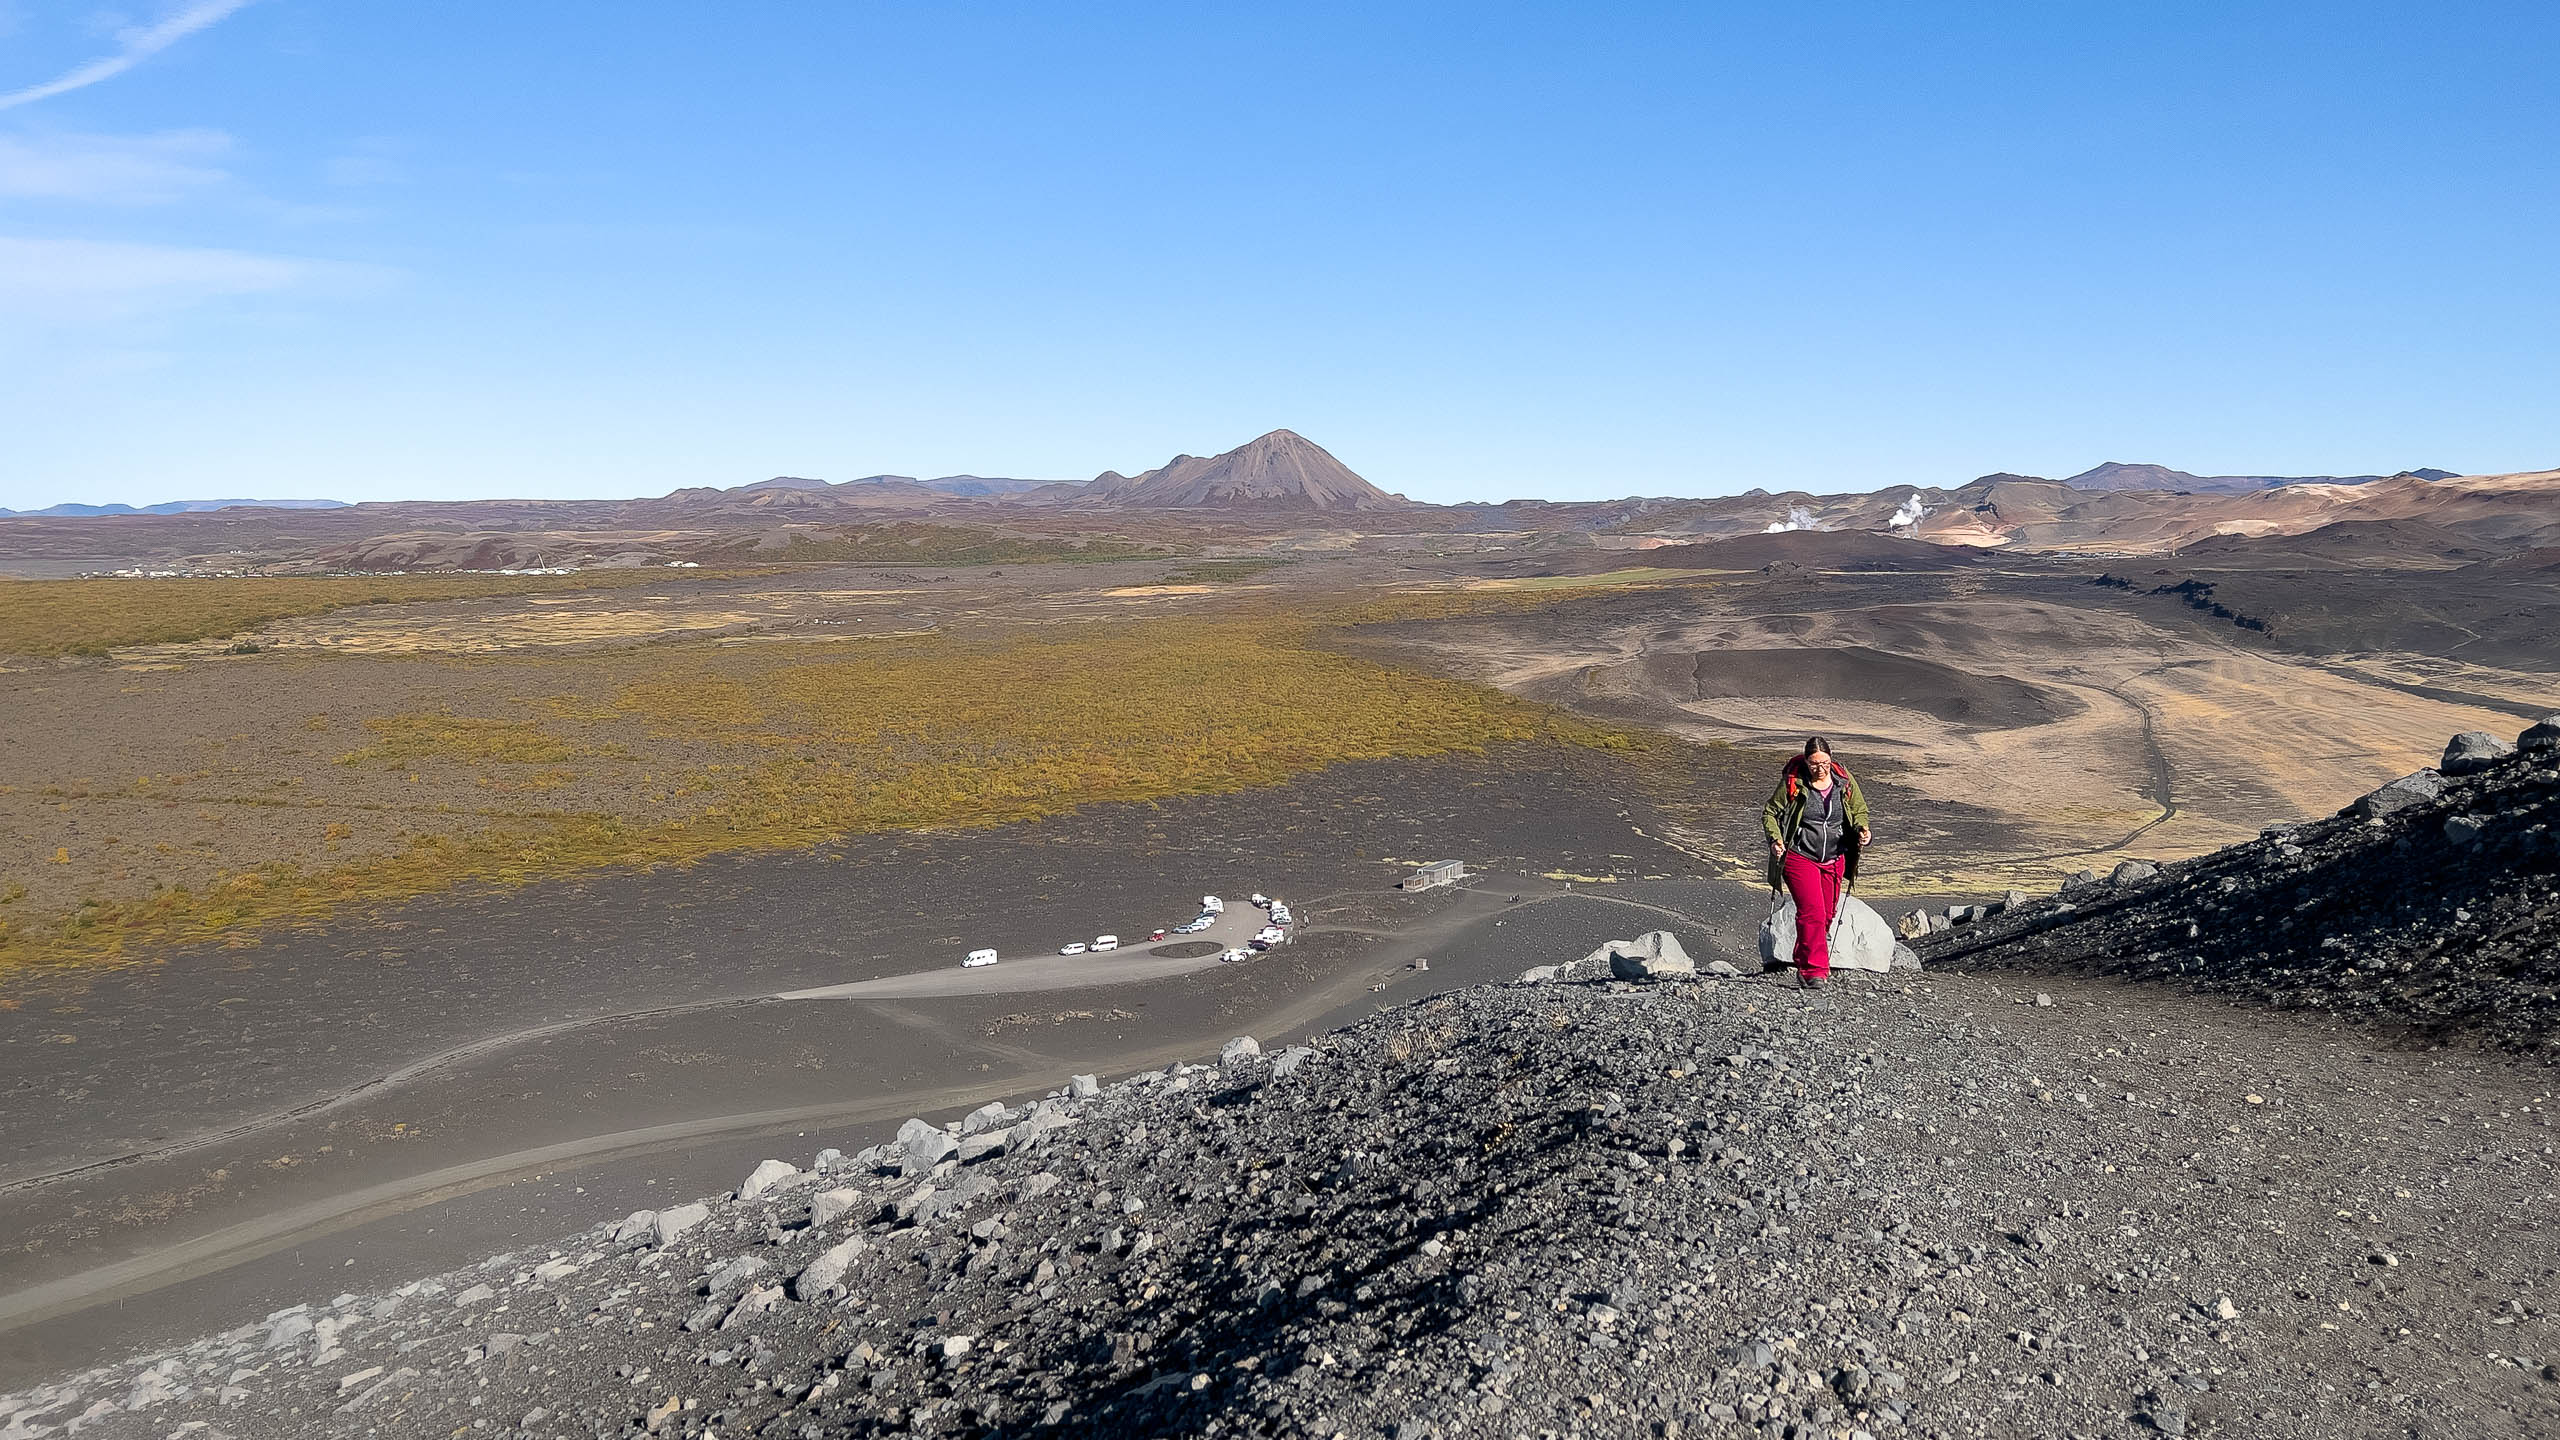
x=1157 y=936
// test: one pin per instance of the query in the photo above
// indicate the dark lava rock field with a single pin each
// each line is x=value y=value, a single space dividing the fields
x=2430 y=907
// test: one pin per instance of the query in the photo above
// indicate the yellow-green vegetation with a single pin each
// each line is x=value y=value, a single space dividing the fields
x=914 y=543
x=750 y=750
x=443 y=735
x=1220 y=572
x=1636 y=575
x=92 y=617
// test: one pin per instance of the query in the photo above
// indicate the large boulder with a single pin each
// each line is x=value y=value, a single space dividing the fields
x=1860 y=938
x=767 y=1177
x=2473 y=751
x=2399 y=795
x=667 y=1225
x=1654 y=955
x=922 y=1146
x=2542 y=734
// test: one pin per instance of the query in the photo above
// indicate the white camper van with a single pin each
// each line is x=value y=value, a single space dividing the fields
x=978 y=958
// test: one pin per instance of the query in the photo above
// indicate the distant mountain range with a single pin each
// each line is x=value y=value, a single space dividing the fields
x=1282 y=470
x=2115 y=476
x=181 y=507
x=1283 y=482
x=1279 y=471
x=972 y=486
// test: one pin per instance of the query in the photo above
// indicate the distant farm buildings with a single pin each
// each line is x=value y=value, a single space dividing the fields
x=1447 y=872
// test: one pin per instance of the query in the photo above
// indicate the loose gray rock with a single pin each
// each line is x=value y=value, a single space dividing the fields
x=2473 y=751
x=1541 y=974
x=1654 y=955
x=828 y=1206
x=922 y=1146
x=2131 y=872
x=2399 y=795
x=735 y=1273
x=767 y=1176
x=823 y=1273
x=1241 y=1048
x=666 y=1225
x=2464 y=829
x=1905 y=958
x=2542 y=734
x=1290 y=1060
x=985 y=1117
x=1083 y=1087
x=757 y=1300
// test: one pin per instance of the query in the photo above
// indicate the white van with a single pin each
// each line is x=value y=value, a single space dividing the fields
x=978 y=958
x=1212 y=904
x=1106 y=942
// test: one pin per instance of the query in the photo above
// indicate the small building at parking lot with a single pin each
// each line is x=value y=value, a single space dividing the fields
x=1447 y=872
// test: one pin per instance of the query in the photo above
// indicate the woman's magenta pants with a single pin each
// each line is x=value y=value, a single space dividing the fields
x=1815 y=884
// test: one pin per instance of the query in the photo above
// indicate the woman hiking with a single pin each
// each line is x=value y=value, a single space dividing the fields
x=1815 y=822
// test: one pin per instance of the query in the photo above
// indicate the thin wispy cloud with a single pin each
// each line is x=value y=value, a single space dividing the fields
x=139 y=42
x=112 y=169
x=77 y=285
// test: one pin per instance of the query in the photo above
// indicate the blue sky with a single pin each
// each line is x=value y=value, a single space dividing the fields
x=321 y=248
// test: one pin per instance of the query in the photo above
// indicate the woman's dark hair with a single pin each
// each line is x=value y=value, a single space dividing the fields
x=1816 y=746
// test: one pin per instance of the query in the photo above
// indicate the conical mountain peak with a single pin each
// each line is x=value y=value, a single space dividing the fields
x=1280 y=470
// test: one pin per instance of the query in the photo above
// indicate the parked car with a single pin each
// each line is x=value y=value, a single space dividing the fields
x=1268 y=936
x=1232 y=956
x=1159 y=933
x=977 y=958
x=1072 y=948
x=1280 y=915
x=1212 y=904
x=1106 y=942
x=1264 y=901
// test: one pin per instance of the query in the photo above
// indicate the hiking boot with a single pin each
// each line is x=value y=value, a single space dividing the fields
x=1807 y=980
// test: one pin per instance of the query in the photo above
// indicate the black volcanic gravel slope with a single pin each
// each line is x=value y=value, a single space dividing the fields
x=1718 y=1208
x=2440 y=919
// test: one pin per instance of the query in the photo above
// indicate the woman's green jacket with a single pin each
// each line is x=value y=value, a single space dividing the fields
x=1786 y=807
